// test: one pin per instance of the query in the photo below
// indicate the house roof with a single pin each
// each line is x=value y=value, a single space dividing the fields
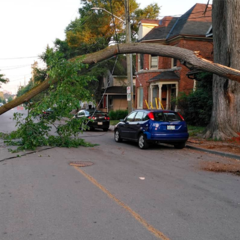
x=162 y=31
x=168 y=75
x=193 y=22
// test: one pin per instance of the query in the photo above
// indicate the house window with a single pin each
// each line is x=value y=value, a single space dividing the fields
x=174 y=62
x=140 y=98
x=153 y=62
x=140 y=61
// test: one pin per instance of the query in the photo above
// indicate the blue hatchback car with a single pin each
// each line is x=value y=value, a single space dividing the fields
x=153 y=126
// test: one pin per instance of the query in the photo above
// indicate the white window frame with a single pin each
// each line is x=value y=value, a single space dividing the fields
x=150 y=61
x=139 y=100
x=172 y=63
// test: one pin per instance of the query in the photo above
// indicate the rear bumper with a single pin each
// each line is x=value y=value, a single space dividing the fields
x=161 y=137
x=99 y=125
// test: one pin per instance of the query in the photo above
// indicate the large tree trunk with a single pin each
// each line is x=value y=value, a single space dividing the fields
x=226 y=93
x=187 y=57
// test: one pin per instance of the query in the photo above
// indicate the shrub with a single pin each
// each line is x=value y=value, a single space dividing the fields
x=197 y=106
x=118 y=114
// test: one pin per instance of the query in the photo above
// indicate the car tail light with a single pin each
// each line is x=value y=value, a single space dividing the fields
x=151 y=116
x=92 y=118
x=44 y=112
x=180 y=116
x=107 y=118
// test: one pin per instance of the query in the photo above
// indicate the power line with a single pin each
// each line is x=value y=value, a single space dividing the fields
x=18 y=58
x=14 y=67
x=15 y=80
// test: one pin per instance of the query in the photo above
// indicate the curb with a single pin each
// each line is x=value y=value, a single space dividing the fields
x=215 y=152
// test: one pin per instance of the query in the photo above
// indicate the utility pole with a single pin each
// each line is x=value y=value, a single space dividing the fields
x=129 y=59
x=129 y=56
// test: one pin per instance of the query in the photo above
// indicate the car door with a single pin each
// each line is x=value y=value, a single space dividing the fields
x=126 y=126
x=135 y=126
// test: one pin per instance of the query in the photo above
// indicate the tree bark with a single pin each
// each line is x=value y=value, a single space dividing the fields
x=226 y=93
x=187 y=57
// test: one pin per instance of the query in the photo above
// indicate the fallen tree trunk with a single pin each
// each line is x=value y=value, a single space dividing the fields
x=187 y=57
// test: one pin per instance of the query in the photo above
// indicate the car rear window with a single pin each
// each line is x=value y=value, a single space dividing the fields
x=97 y=113
x=166 y=116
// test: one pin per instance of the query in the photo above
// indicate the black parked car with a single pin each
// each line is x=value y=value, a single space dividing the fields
x=97 y=118
x=152 y=126
x=45 y=114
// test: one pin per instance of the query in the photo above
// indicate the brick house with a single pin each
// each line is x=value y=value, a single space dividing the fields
x=162 y=78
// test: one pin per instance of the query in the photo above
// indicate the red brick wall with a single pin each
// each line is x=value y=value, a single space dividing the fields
x=185 y=84
x=204 y=47
x=164 y=63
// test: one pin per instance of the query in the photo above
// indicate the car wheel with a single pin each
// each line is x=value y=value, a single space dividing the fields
x=180 y=145
x=105 y=129
x=142 y=142
x=117 y=136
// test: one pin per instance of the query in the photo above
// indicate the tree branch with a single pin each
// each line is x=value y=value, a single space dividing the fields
x=189 y=58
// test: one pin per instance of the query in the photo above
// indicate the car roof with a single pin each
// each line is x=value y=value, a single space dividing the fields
x=91 y=111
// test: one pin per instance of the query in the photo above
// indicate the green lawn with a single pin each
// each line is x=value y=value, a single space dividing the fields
x=114 y=122
x=195 y=131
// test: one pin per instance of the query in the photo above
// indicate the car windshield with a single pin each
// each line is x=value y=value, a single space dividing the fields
x=97 y=112
x=166 y=116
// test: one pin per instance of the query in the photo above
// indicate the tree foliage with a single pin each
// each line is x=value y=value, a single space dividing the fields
x=2 y=99
x=62 y=99
x=197 y=106
x=95 y=28
x=3 y=79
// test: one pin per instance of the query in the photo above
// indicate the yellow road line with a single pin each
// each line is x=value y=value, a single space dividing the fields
x=126 y=207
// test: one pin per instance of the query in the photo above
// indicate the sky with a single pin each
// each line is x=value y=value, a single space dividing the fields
x=28 y=26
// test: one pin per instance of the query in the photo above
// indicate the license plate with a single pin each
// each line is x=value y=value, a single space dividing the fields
x=99 y=123
x=170 y=127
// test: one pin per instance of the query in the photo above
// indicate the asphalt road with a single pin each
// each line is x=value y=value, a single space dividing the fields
x=128 y=193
